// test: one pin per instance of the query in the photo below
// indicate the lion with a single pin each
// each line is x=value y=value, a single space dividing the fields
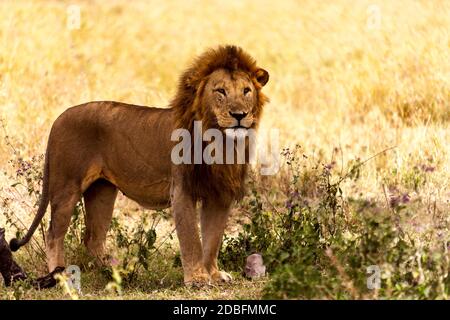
x=98 y=148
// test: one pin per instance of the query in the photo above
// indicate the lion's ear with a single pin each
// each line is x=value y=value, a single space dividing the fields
x=190 y=80
x=262 y=76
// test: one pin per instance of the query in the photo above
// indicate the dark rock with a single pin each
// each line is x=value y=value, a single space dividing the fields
x=9 y=269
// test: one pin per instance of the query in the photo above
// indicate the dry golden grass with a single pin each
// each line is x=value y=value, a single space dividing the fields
x=345 y=81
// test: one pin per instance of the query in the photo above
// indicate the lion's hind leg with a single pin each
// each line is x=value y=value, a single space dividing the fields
x=99 y=201
x=62 y=201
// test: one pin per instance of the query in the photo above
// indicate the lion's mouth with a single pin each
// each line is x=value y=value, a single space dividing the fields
x=236 y=132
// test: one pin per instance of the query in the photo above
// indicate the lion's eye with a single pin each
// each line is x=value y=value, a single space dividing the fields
x=221 y=91
x=247 y=90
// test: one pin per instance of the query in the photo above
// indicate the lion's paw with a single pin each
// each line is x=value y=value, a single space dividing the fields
x=198 y=280
x=221 y=276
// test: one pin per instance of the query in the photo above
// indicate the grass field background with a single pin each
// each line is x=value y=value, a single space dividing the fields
x=348 y=79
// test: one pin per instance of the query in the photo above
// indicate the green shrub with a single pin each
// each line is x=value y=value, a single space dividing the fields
x=322 y=246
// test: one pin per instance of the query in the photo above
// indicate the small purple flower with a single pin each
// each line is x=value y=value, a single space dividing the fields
x=114 y=262
x=394 y=201
x=295 y=194
x=289 y=204
x=405 y=198
x=330 y=165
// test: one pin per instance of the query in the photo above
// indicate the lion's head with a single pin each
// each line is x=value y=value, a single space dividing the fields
x=232 y=99
x=223 y=89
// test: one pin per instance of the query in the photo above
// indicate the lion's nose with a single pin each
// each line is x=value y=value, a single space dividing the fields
x=238 y=116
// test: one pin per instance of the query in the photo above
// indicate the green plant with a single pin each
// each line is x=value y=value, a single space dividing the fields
x=320 y=244
x=137 y=244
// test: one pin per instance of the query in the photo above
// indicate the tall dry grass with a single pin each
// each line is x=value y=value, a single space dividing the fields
x=348 y=78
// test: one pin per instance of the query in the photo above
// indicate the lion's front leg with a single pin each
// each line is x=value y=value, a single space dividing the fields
x=214 y=218
x=186 y=224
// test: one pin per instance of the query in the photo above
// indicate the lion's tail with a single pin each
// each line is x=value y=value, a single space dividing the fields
x=15 y=243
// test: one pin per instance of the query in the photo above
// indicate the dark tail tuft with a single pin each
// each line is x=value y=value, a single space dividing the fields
x=14 y=245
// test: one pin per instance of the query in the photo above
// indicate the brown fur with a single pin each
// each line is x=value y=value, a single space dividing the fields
x=98 y=148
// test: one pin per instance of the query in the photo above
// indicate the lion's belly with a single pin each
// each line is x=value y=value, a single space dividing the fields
x=151 y=195
x=149 y=185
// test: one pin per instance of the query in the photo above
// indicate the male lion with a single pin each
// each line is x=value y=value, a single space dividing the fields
x=98 y=148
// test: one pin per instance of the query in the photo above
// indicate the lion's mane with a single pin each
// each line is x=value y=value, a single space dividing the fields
x=222 y=182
